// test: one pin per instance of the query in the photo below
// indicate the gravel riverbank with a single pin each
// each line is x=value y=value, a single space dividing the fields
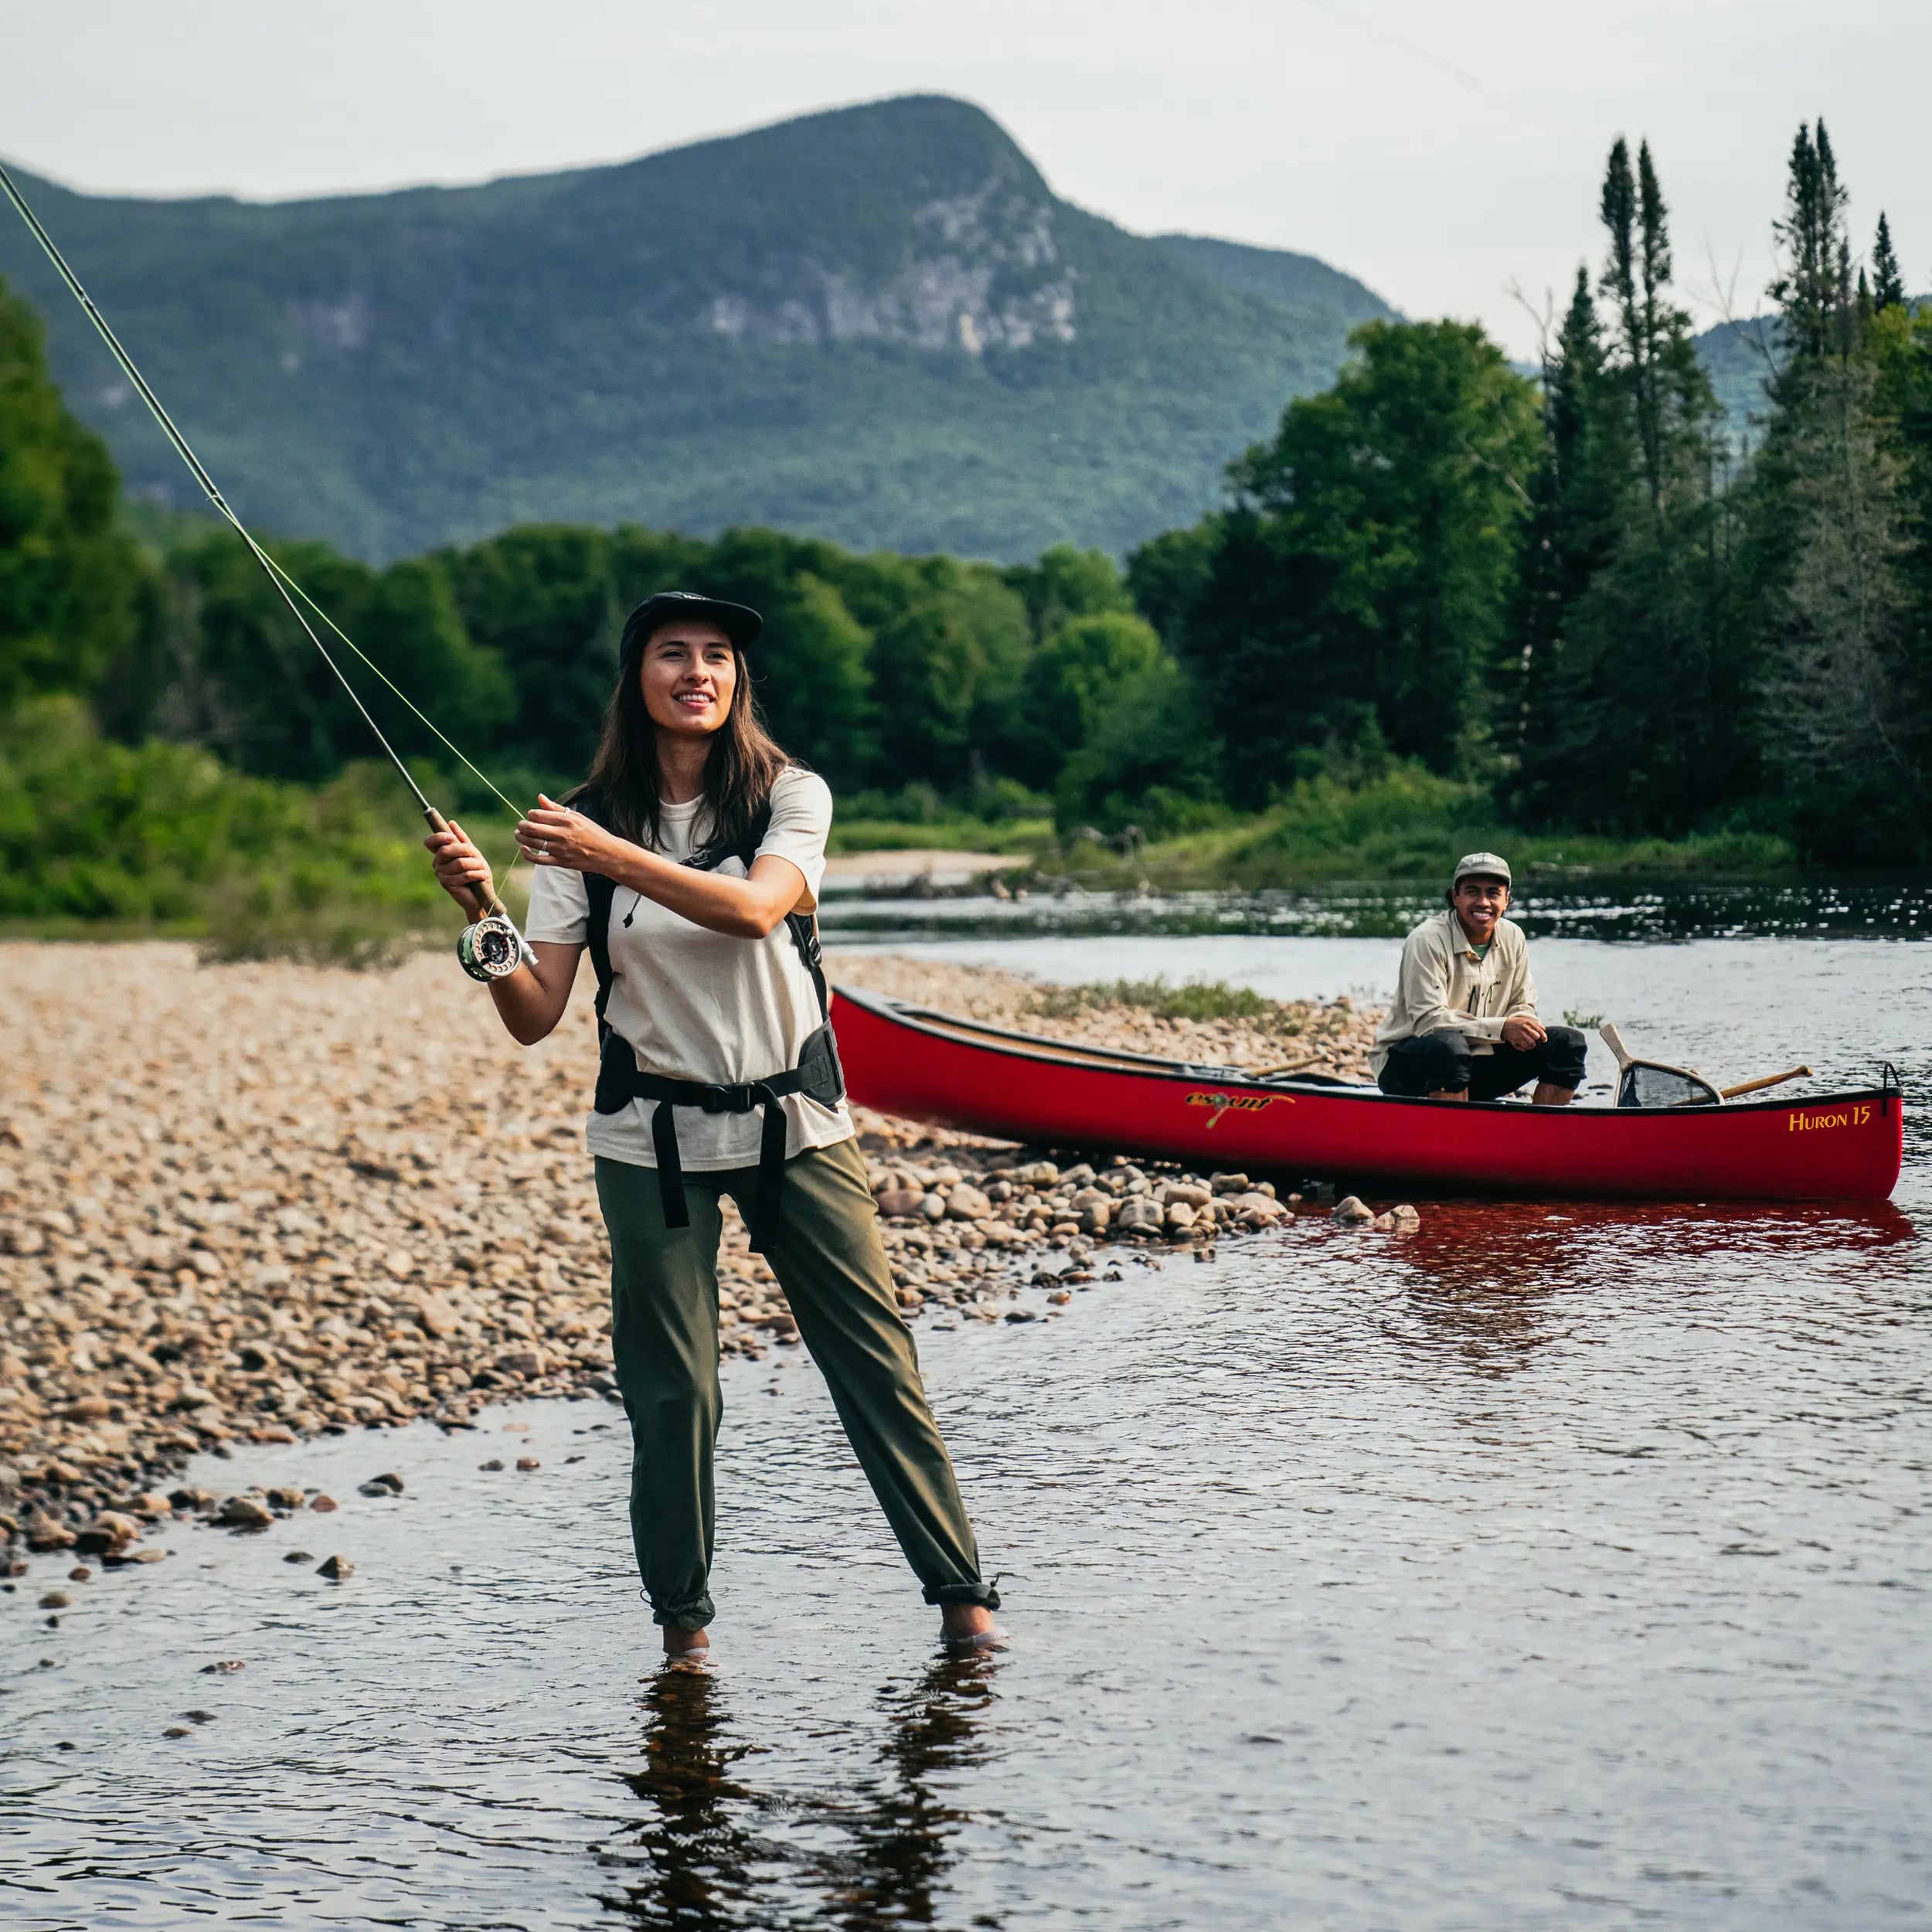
x=246 y=1203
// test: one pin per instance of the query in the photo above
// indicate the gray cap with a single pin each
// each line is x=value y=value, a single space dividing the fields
x=1486 y=863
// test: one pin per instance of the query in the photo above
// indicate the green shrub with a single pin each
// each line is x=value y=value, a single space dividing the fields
x=1196 y=999
x=164 y=835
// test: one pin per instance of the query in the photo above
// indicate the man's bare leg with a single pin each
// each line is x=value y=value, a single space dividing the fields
x=1451 y=1094
x=679 y=1642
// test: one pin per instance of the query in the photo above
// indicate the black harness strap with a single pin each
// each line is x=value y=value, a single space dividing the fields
x=619 y=1079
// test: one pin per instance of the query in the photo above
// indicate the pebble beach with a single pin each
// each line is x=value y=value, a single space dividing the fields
x=249 y=1203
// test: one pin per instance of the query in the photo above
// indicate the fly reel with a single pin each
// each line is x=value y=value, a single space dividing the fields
x=491 y=949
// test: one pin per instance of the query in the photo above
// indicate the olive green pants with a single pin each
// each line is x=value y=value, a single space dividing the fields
x=829 y=1259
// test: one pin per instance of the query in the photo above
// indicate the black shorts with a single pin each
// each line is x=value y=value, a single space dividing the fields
x=1443 y=1063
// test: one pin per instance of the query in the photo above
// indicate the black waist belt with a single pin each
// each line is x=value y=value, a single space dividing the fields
x=817 y=1075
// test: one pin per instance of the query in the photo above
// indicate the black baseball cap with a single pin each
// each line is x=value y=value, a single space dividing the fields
x=738 y=621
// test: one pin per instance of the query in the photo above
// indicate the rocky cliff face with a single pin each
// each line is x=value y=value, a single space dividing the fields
x=982 y=268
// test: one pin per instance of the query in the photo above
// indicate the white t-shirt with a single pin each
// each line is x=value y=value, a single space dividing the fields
x=694 y=1005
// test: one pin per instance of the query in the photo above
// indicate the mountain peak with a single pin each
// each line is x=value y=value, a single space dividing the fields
x=916 y=220
x=930 y=142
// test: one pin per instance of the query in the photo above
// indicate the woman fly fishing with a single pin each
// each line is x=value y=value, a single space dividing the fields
x=689 y=865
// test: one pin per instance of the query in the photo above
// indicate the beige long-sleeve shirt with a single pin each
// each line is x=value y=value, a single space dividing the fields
x=1443 y=986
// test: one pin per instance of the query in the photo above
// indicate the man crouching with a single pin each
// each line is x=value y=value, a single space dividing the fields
x=1464 y=1018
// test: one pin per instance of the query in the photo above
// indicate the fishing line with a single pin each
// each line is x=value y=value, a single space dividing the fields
x=491 y=948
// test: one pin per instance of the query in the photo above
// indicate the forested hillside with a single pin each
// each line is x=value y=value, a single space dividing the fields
x=878 y=325
x=1441 y=605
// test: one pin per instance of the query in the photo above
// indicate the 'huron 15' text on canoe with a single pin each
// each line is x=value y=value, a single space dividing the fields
x=926 y=1066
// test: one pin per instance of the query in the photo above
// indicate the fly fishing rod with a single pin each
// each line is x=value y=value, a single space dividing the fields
x=490 y=947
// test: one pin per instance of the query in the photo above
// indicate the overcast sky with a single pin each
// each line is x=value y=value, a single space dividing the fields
x=1444 y=152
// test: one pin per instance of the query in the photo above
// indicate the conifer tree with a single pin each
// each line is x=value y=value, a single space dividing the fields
x=1832 y=543
x=1811 y=291
x=1577 y=495
x=1630 y=670
x=1888 y=285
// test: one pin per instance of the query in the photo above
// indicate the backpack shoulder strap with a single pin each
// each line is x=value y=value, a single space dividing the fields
x=803 y=928
x=709 y=858
x=600 y=892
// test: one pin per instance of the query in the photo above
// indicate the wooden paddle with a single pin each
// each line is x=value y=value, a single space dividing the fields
x=1764 y=1080
x=1287 y=1067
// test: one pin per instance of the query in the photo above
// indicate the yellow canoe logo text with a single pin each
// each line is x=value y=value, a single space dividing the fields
x=1813 y=1122
x=1241 y=1103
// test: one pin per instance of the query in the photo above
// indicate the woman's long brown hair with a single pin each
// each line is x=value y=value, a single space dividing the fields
x=743 y=764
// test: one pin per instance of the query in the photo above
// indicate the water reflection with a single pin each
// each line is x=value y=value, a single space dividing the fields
x=720 y=1850
x=903 y=1840
x=1488 y=1281
x=697 y=1858
x=1497 y=1281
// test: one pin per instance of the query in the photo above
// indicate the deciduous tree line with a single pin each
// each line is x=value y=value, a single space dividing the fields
x=1583 y=591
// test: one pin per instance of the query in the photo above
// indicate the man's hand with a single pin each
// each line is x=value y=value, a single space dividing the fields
x=1523 y=1032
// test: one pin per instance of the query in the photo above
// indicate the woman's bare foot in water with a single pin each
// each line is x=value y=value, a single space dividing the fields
x=685 y=1646
x=967 y=1626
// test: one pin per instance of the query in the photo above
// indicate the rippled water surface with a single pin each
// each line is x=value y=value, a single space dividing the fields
x=1866 y=907
x=1559 y=1566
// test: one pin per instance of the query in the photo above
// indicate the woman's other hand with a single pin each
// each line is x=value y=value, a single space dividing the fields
x=460 y=870
x=553 y=835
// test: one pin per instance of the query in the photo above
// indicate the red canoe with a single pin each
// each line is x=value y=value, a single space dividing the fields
x=925 y=1065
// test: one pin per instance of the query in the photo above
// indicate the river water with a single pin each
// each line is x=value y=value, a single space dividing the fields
x=1560 y=1567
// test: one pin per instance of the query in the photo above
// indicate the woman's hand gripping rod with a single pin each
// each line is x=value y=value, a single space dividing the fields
x=491 y=947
